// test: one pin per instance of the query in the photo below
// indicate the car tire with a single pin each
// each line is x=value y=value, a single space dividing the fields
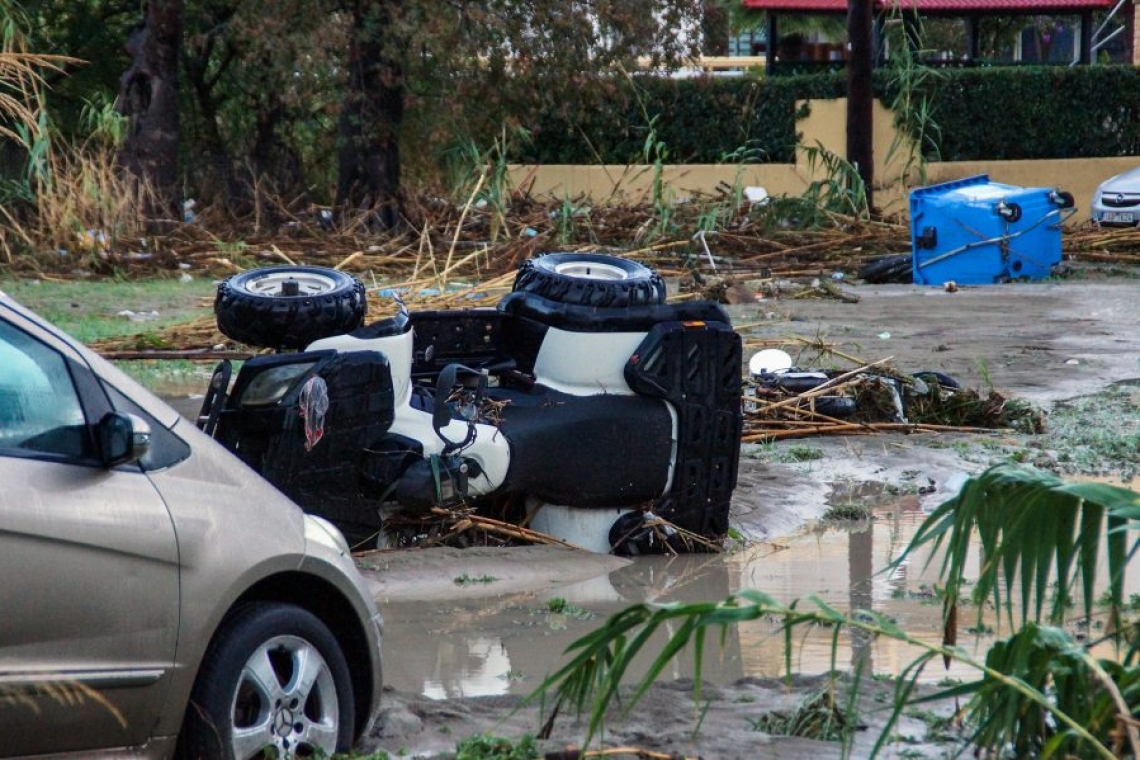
x=289 y=307
x=886 y=269
x=590 y=279
x=246 y=697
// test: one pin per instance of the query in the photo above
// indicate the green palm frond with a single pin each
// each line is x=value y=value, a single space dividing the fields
x=1039 y=693
x=1038 y=536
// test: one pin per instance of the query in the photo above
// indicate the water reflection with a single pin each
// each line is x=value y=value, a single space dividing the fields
x=508 y=644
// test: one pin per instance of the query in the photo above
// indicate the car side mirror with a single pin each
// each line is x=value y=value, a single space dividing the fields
x=123 y=438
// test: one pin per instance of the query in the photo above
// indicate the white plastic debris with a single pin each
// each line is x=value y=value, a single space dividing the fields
x=756 y=195
x=770 y=360
x=138 y=316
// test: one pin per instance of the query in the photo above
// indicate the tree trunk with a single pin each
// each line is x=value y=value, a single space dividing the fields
x=369 y=152
x=714 y=28
x=148 y=97
x=860 y=152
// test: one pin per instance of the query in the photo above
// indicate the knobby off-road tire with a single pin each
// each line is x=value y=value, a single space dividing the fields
x=289 y=307
x=273 y=678
x=590 y=279
x=887 y=269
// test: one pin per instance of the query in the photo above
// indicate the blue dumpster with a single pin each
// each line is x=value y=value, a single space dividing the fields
x=977 y=232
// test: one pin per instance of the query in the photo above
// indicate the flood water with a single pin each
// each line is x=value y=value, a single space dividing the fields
x=483 y=643
x=509 y=644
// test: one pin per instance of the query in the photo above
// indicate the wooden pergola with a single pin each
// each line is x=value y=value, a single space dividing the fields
x=969 y=10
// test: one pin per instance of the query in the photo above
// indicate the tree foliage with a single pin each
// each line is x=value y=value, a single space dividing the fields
x=336 y=98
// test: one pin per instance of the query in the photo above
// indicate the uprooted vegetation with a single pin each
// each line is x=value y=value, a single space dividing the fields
x=461 y=257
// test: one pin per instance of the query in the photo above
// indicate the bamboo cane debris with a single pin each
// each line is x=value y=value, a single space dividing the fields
x=878 y=398
x=440 y=527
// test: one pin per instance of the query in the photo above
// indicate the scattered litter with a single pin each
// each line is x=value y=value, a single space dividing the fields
x=185 y=278
x=1072 y=361
x=188 y=207
x=93 y=239
x=884 y=335
x=794 y=403
x=138 y=316
x=704 y=244
x=756 y=195
x=769 y=361
x=950 y=286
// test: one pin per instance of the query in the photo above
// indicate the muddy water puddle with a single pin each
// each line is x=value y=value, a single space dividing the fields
x=484 y=636
x=507 y=644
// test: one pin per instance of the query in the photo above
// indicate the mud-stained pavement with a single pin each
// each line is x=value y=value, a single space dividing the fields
x=468 y=632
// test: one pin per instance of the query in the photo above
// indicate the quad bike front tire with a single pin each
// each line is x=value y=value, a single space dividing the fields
x=590 y=279
x=289 y=307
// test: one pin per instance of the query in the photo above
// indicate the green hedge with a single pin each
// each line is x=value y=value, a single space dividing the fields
x=699 y=121
x=981 y=113
x=1037 y=112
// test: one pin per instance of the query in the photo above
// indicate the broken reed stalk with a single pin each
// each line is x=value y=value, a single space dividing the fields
x=459 y=225
x=848 y=428
x=829 y=385
x=507 y=529
x=687 y=536
x=819 y=345
x=189 y=355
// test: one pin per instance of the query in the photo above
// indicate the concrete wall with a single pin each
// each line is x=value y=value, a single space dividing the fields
x=826 y=126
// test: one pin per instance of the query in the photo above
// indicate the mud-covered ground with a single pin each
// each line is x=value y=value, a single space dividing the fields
x=1043 y=342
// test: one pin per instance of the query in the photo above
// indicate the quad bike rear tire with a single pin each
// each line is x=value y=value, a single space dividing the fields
x=289 y=307
x=590 y=279
x=886 y=269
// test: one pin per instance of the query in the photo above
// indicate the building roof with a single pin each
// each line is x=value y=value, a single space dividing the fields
x=939 y=7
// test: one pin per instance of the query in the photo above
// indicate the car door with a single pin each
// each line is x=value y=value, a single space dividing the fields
x=88 y=562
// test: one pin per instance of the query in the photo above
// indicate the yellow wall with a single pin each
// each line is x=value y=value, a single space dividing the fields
x=826 y=126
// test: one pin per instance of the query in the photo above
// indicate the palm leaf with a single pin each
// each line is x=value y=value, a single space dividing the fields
x=1023 y=521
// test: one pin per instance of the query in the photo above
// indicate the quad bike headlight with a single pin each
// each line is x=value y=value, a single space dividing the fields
x=273 y=384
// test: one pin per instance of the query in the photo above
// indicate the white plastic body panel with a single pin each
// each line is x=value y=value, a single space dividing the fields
x=585 y=363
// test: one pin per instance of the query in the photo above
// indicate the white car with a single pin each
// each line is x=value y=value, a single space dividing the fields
x=1116 y=203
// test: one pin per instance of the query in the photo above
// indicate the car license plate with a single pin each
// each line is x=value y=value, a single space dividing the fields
x=1118 y=217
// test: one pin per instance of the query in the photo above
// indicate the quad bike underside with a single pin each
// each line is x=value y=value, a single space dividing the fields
x=631 y=408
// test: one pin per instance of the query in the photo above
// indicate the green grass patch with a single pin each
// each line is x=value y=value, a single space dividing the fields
x=170 y=377
x=487 y=747
x=1098 y=435
x=849 y=512
x=556 y=605
x=469 y=580
x=771 y=453
x=93 y=310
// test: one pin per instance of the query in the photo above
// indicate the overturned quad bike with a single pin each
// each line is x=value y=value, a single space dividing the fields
x=582 y=406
